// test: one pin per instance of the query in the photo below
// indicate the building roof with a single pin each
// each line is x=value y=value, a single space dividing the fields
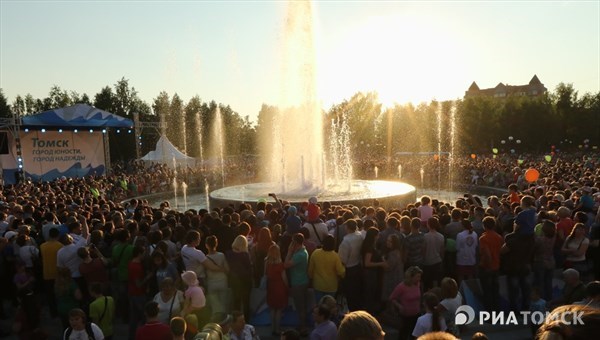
x=535 y=81
x=534 y=88
x=79 y=115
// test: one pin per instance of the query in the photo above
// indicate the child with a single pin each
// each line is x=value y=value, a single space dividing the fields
x=195 y=301
x=432 y=320
x=513 y=193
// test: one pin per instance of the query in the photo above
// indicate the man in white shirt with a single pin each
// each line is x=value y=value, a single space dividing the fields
x=49 y=223
x=194 y=259
x=351 y=258
x=435 y=248
x=67 y=256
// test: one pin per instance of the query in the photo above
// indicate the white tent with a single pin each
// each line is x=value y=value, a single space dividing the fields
x=166 y=153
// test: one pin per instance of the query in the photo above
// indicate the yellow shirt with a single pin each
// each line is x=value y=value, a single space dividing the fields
x=325 y=268
x=49 y=250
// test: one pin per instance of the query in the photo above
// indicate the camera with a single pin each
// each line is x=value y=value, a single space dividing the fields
x=211 y=331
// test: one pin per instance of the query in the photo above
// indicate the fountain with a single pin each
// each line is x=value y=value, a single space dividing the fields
x=451 y=154
x=199 y=138
x=175 y=191
x=294 y=150
x=206 y=193
x=184 y=187
x=217 y=142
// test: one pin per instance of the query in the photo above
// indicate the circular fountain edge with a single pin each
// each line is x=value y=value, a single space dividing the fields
x=390 y=194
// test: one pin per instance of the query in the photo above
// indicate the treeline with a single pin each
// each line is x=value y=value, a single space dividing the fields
x=561 y=118
x=195 y=118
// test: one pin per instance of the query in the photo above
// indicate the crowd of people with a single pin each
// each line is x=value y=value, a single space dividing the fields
x=91 y=256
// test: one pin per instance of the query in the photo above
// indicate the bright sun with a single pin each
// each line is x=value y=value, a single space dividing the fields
x=404 y=59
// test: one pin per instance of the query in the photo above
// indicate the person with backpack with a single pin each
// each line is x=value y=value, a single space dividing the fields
x=79 y=328
x=102 y=310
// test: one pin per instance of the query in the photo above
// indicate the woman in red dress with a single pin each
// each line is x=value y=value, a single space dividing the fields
x=277 y=286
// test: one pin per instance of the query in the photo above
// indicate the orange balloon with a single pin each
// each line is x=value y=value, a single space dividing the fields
x=473 y=156
x=436 y=157
x=532 y=175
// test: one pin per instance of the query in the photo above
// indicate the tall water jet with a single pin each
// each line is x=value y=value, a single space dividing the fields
x=184 y=189
x=399 y=171
x=345 y=158
x=175 y=191
x=452 y=139
x=334 y=151
x=199 y=138
x=340 y=151
x=184 y=134
x=207 y=193
x=439 y=146
x=291 y=143
x=218 y=142
x=376 y=170
x=299 y=106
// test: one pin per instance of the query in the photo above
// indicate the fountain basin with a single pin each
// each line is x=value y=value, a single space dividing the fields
x=356 y=192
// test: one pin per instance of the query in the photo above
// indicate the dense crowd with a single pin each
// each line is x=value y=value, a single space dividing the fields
x=92 y=256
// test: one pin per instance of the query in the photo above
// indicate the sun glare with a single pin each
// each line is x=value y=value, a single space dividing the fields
x=402 y=58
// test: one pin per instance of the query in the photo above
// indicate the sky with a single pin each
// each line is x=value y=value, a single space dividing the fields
x=229 y=51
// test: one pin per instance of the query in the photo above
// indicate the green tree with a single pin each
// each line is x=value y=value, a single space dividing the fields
x=5 y=111
x=247 y=137
x=105 y=99
x=193 y=130
x=363 y=114
x=586 y=122
x=18 y=106
x=176 y=122
x=264 y=127
x=59 y=97
x=76 y=98
x=161 y=106
x=30 y=106
x=125 y=98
